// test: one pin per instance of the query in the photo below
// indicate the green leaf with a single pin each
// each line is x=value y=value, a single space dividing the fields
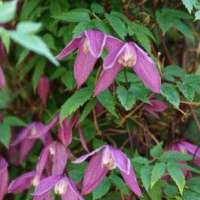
x=4 y=98
x=173 y=71
x=7 y=11
x=156 y=151
x=5 y=134
x=190 y=195
x=97 y=8
x=87 y=109
x=157 y=172
x=145 y=174
x=171 y=94
x=193 y=184
x=197 y=15
x=119 y=183
x=102 y=189
x=79 y=28
x=126 y=97
x=155 y=193
x=28 y=27
x=5 y=38
x=107 y=100
x=74 y=16
x=75 y=101
x=13 y=121
x=175 y=156
x=33 y=43
x=186 y=90
x=189 y=4
x=177 y=175
x=117 y=25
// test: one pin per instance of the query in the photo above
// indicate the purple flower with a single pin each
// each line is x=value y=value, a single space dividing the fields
x=2 y=79
x=4 y=177
x=127 y=55
x=154 y=107
x=90 y=45
x=104 y=159
x=43 y=89
x=62 y=186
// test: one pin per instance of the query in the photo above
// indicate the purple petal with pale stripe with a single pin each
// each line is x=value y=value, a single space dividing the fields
x=46 y=185
x=94 y=174
x=131 y=180
x=113 y=43
x=106 y=78
x=69 y=48
x=21 y=183
x=146 y=69
x=4 y=177
x=96 y=41
x=83 y=66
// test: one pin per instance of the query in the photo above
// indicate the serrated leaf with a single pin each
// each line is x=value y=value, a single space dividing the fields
x=102 y=189
x=7 y=11
x=171 y=94
x=157 y=172
x=156 y=151
x=145 y=174
x=126 y=97
x=75 y=101
x=117 y=24
x=177 y=175
x=107 y=100
x=87 y=109
x=5 y=134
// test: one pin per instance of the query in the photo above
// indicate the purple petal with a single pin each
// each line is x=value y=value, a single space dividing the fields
x=122 y=161
x=94 y=174
x=86 y=156
x=2 y=79
x=46 y=196
x=43 y=89
x=4 y=177
x=113 y=43
x=106 y=78
x=69 y=48
x=131 y=181
x=83 y=66
x=96 y=41
x=46 y=185
x=21 y=183
x=146 y=69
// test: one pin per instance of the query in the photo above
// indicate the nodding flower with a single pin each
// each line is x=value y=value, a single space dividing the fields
x=4 y=177
x=104 y=159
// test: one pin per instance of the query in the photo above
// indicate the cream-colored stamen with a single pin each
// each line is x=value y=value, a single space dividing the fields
x=86 y=46
x=35 y=181
x=52 y=151
x=108 y=160
x=60 y=187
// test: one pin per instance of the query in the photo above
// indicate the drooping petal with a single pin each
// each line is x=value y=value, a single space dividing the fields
x=43 y=89
x=2 y=79
x=69 y=48
x=146 y=69
x=122 y=161
x=106 y=78
x=94 y=174
x=46 y=196
x=131 y=180
x=86 y=156
x=21 y=183
x=83 y=66
x=113 y=43
x=96 y=40
x=3 y=177
x=46 y=185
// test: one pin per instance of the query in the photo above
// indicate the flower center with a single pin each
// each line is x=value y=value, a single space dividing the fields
x=60 y=187
x=108 y=160
x=52 y=151
x=86 y=46
x=35 y=181
x=33 y=131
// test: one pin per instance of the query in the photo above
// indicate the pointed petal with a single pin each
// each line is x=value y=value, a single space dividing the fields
x=106 y=78
x=46 y=185
x=131 y=181
x=2 y=79
x=59 y=159
x=96 y=41
x=86 y=156
x=21 y=183
x=113 y=43
x=146 y=69
x=158 y=106
x=94 y=174
x=46 y=196
x=69 y=48
x=4 y=177
x=122 y=161
x=25 y=148
x=83 y=66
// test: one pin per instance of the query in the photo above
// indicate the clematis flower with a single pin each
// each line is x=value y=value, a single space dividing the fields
x=104 y=159
x=62 y=186
x=155 y=107
x=2 y=79
x=90 y=45
x=127 y=55
x=43 y=89
x=4 y=177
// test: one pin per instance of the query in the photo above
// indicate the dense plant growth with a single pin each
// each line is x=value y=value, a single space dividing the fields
x=100 y=99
